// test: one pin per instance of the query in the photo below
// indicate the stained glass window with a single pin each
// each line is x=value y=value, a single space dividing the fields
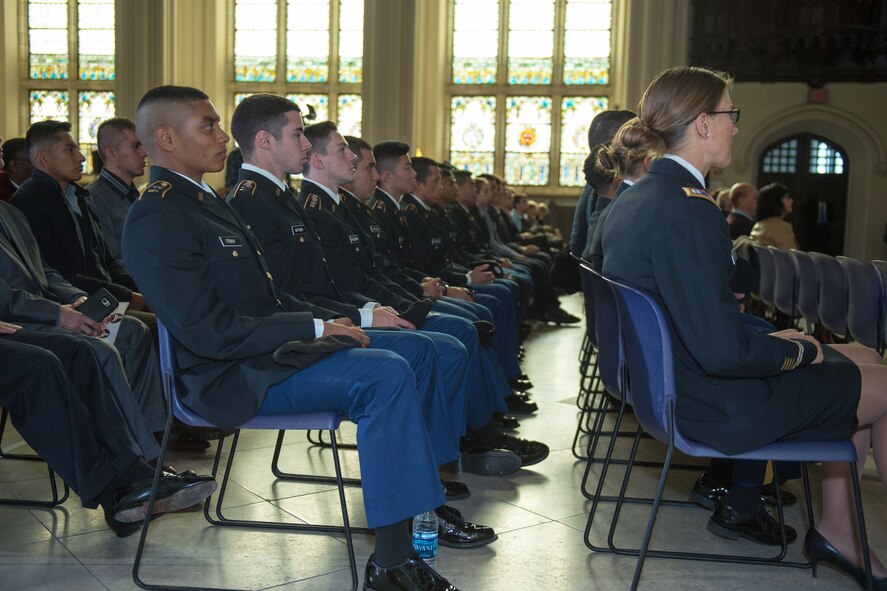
x=825 y=159
x=783 y=158
x=48 y=39
x=48 y=104
x=475 y=41
x=473 y=133
x=527 y=140
x=307 y=40
x=351 y=41
x=315 y=107
x=530 y=41
x=93 y=107
x=576 y=114
x=95 y=26
x=255 y=41
x=349 y=118
x=587 y=42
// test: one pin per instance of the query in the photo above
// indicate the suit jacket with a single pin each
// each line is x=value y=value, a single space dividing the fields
x=7 y=189
x=667 y=236
x=73 y=247
x=774 y=232
x=739 y=225
x=292 y=246
x=204 y=274
x=30 y=291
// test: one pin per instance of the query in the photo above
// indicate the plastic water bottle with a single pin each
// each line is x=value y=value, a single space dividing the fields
x=425 y=535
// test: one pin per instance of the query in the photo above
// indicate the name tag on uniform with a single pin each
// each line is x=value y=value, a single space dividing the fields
x=375 y=229
x=400 y=240
x=297 y=230
x=436 y=241
x=354 y=238
x=230 y=241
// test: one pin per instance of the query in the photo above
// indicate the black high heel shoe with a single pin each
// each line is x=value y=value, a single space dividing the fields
x=819 y=549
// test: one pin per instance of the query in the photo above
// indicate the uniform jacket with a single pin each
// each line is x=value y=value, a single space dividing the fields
x=204 y=275
x=665 y=235
x=75 y=248
x=30 y=291
x=429 y=247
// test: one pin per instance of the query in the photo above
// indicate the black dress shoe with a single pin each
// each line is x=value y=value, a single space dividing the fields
x=761 y=527
x=504 y=421
x=560 y=316
x=707 y=493
x=412 y=575
x=174 y=493
x=455 y=532
x=454 y=490
x=529 y=452
x=520 y=406
x=819 y=549
x=487 y=461
x=520 y=384
x=768 y=495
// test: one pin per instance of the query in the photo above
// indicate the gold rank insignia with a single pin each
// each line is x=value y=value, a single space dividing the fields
x=700 y=194
x=246 y=187
x=313 y=201
x=411 y=207
x=200 y=197
x=157 y=187
x=380 y=205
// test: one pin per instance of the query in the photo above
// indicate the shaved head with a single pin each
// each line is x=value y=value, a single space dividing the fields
x=164 y=106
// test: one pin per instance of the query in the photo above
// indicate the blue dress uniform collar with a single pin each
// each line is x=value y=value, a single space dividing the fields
x=261 y=171
x=329 y=192
x=689 y=167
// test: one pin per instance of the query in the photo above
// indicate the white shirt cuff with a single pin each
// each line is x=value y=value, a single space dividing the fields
x=366 y=318
x=318 y=328
x=371 y=306
x=468 y=276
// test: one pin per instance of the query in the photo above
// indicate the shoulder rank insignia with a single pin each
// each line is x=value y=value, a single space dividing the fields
x=380 y=205
x=411 y=208
x=160 y=187
x=700 y=194
x=314 y=202
x=246 y=187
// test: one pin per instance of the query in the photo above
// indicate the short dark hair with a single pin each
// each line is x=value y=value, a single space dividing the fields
x=15 y=148
x=490 y=178
x=605 y=125
x=358 y=145
x=770 y=201
x=423 y=165
x=42 y=132
x=111 y=133
x=462 y=176
x=148 y=118
x=387 y=152
x=256 y=113
x=319 y=136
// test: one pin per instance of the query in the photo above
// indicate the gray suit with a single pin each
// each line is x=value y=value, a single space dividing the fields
x=32 y=293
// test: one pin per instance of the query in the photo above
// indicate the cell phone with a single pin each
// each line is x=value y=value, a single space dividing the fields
x=99 y=305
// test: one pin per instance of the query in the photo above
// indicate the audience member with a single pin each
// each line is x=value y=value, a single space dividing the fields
x=18 y=167
x=771 y=229
x=743 y=206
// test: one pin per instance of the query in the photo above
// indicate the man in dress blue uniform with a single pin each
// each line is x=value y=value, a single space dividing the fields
x=207 y=280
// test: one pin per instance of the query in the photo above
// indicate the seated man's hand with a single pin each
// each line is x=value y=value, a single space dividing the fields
x=344 y=321
x=506 y=263
x=8 y=327
x=431 y=288
x=480 y=276
x=530 y=249
x=460 y=293
x=388 y=317
x=331 y=328
x=71 y=319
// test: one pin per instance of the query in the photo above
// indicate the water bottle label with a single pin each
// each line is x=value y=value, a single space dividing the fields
x=425 y=545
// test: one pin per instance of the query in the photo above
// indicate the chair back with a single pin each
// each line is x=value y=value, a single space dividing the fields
x=808 y=286
x=785 y=289
x=863 y=302
x=611 y=358
x=588 y=300
x=881 y=268
x=745 y=251
x=832 y=293
x=648 y=355
x=766 y=274
x=168 y=371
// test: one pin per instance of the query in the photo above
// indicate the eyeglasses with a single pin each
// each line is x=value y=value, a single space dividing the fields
x=734 y=114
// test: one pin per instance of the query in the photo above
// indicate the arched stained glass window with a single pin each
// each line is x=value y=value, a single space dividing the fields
x=825 y=158
x=310 y=51
x=543 y=68
x=782 y=159
x=71 y=55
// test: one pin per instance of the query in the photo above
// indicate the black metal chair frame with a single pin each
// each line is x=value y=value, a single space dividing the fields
x=56 y=499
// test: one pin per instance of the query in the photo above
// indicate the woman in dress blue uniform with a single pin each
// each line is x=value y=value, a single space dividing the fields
x=740 y=389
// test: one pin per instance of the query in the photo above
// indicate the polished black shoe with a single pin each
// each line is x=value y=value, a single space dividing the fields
x=412 y=575
x=561 y=316
x=455 y=532
x=119 y=527
x=768 y=495
x=520 y=384
x=504 y=421
x=487 y=461
x=707 y=493
x=818 y=549
x=454 y=490
x=529 y=452
x=174 y=493
x=520 y=406
x=761 y=527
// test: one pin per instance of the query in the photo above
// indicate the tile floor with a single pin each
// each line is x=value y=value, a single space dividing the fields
x=538 y=513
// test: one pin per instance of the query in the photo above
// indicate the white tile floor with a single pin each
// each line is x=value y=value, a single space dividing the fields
x=538 y=513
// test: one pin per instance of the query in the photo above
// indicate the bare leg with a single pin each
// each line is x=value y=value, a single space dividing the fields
x=838 y=524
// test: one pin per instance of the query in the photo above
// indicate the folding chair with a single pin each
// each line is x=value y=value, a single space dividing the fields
x=808 y=289
x=325 y=421
x=767 y=275
x=648 y=352
x=55 y=500
x=864 y=309
x=881 y=268
x=832 y=293
x=785 y=289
